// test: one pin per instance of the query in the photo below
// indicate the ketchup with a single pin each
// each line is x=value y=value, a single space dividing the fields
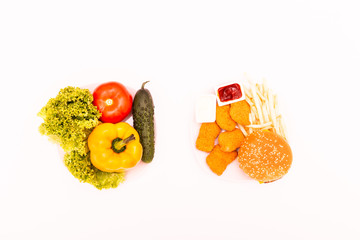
x=230 y=92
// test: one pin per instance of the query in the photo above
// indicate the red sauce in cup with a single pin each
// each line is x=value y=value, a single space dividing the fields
x=229 y=92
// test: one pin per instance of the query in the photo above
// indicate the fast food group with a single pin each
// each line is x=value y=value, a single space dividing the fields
x=100 y=146
x=244 y=124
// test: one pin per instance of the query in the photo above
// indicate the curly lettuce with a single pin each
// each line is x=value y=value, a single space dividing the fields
x=69 y=118
x=81 y=168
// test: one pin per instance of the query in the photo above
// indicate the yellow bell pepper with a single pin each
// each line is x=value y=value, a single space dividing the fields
x=114 y=147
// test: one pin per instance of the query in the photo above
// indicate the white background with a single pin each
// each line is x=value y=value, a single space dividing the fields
x=309 y=52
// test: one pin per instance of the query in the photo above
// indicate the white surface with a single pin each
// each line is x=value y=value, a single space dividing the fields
x=309 y=53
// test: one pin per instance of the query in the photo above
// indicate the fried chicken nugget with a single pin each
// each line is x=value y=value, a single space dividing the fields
x=223 y=118
x=231 y=140
x=207 y=134
x=239 y=112
x=218 y=160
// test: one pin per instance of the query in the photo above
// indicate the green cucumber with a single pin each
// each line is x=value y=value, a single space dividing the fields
x=143 y=117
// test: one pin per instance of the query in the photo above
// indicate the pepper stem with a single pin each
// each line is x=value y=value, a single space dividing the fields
x=118 y=145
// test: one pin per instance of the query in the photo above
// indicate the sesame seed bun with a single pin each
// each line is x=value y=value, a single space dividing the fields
x=265 y=156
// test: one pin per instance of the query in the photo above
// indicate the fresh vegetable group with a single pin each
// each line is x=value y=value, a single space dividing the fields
x=99 y=147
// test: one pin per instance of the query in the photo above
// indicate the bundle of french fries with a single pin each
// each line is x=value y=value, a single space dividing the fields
x=264 y=113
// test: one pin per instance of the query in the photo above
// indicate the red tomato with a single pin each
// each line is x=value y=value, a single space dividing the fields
x=113 y=101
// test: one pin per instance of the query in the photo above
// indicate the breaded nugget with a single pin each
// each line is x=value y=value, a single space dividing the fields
x=231 y=140
x=223 y=118
x=239 y=112
x=207 y=134
x=218 y=160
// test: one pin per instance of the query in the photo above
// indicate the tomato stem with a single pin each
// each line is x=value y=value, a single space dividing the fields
x=109 y=102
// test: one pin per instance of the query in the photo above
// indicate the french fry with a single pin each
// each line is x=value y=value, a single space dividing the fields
x=259 y=125
x=276 y=106
x=248 y=100
x=254 y=120
x=272 y=110
x=265 y=87
x=265 y=114
x=257 y=104
x=283 y=128
x=243 y=130
x=260 y=94
x=254 y=112
x=267 y=128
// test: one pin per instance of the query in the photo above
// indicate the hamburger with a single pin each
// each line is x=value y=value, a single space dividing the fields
x=265 y=156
